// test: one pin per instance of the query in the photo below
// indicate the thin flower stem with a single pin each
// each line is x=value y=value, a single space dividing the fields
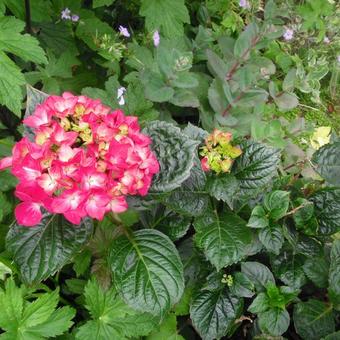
x=28 y=16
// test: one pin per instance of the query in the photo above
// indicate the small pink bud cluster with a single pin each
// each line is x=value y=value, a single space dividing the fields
x=83 y=161
x=218 y=152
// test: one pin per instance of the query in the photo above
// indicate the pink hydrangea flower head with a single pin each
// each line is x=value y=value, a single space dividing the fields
x=83 y=161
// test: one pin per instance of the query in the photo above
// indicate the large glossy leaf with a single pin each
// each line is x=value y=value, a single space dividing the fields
x=191 y=198
x=327 y=162
x=255 y=168
x=42 y=250
x=258 y=273
x=316 y=269
x=222 y=187
x=147 y=271
x=334 y=275
x=288 y=268
x=313 y=319
x=175 y=152
x=274 y=321
x=327 y=210
x=223 y=237
x=272 y=238
x=213 y=313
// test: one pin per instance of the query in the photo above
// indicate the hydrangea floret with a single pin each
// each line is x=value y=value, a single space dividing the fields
x=218 y=152
x=84 y=160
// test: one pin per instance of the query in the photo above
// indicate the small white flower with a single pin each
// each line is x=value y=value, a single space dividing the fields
x=120 y=95
x=124 y=31
x=288 y=34
x=156 y=38
x=66 y=14
x=75 y=18
x=244 y=4
x=338 y=58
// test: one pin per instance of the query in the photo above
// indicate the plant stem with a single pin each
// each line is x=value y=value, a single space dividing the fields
x=28 y=16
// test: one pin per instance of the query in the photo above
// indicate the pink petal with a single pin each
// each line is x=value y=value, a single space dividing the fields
x=28 y=214
x=118 y=204
x=6 y=162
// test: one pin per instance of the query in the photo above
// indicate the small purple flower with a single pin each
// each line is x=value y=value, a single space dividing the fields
x=75 y=18
x=288 y=34
x=120 y=97
x=66 y=14
x=156 y=38
x=124 y=31
x=326 y=40
x=244 y=4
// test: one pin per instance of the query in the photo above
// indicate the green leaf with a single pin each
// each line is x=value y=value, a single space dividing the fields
x=167 y=330
x=57 y=324
x=4 y=270
x=327 y=162
x=334 y=275
x=100 y=3
x=58 y=37
x=258 y=218
x=217 y=97
x=258 y=273
x=111 y=317
x=174 y=225
x=82 y=262
x=42 y=250
x=260 y=304
x=190 y=199
x=155 y=87
x=175 y=153
x=213 y=313
x=245 y=41
x=316 y=269
x=313 y=319
x=11 y=80
x=222 y=187
x=34 y=98
x=242 y=286
x=274 y=321
x=272 y=238
x=286 y=101
x=223 y=237
x=288 y=268
x=327 y=210
x=255 y=168
x=38 y=319
x=289 y=81
x=185 y=98
x=24 y=46
x=166 y=15
x=184 y=80
x=252 y=98
x=216 y=65
x=147 y=271
x=333 y=336
x=277 y=203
